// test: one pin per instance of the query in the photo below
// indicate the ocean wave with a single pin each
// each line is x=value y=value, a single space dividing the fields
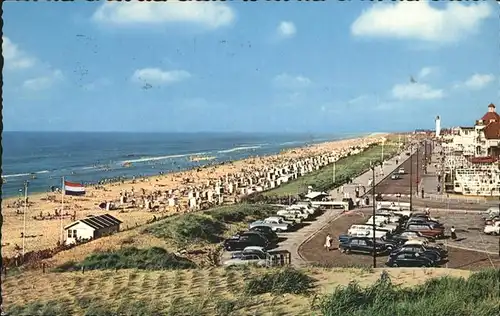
x=15 y=175
x=146 y=159
x=238 y=149
x=43 y=171
x=293 y=143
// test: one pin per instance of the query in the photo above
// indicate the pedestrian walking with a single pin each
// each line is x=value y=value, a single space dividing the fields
x=453 y=234
x=422 y=191
x=328 y=242
x=427 y=211
x=358 y=202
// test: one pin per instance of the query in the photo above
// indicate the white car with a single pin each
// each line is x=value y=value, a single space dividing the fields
x=401 y=170
x=492 y=229
x=303 y=208
x=246 y=259
x=294 y=212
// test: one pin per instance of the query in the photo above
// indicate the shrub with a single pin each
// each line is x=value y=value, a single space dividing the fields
x=154 y=258
x=188 y=228
x=287 y=280
x=477 y=295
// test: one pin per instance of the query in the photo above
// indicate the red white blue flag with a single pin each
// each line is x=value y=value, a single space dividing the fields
x=73 y=188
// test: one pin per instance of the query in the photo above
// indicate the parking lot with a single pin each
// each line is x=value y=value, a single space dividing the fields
x=289 y=241
x=314 y=252
x=469 y=228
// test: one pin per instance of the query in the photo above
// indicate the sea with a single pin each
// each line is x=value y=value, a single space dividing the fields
x=43 y=158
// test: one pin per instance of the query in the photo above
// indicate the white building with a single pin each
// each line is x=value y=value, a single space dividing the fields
x=91 y=227
x=472 y=156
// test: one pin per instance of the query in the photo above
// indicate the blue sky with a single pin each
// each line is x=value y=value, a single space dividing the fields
x=233 y=66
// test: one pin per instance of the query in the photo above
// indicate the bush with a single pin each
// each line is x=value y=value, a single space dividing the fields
x=188 y=228
x=209 y=226
x=50 y=308
x=154 y=258
x=478 y=295
x=287 y=280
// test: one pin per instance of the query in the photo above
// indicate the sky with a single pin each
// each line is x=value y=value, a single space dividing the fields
x=322 y=67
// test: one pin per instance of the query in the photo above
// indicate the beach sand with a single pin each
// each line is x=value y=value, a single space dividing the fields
x=44 y=234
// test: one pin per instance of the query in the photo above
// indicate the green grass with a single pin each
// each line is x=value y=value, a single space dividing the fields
x=154 y=258
x=346 y=168
x=287 y=280
x=210 y=226
x=479 y=295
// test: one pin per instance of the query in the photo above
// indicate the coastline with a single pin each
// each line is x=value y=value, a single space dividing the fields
x=45 y=233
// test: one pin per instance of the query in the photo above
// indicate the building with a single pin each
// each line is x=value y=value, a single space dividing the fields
x=91 y=227
x=472 y=156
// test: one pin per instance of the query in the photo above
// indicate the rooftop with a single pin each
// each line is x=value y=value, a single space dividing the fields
x=97 y=222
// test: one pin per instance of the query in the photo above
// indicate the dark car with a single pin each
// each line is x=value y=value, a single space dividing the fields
x=443 y=253
x=420 y=220
x=412 y=249
x=409 y=259
x=390 y=244
x=362 y=245
x=266 y=231
x=239 y=242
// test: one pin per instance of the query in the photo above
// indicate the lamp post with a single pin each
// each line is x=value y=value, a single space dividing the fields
x=374 y=252
x=411 y=176
x=418 y=145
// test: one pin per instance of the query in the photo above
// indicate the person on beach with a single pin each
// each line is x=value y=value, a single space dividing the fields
x=453 y=234
x=328 y=242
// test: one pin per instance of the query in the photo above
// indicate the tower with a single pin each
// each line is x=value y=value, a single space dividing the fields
x=438 y=126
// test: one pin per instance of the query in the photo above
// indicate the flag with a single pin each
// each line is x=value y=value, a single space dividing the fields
x=72 y=188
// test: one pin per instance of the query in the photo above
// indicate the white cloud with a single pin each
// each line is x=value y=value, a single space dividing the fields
x=157 y=76
x=286 y=29
x=292 y=82
x=43 y=82
x=478 y=81
x=421 y=21
x=209 y=14
x=14 y=57
x=416 y=91
x=426 y=71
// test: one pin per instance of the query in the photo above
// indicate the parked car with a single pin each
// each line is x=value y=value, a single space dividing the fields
x=296 y=213
x=438 y=247
x=410 y=235
x=302 y=206
x=409 y=259
x=491 y=212
x=290 y=217
x=492 y=229
x=260 y=234
x=364 y=227
x=401 y=170
x=417 y=220
x=434 y=254
x=246 y=259
x=392 y=217
x=427 y=229
x=259 y=251
x=240 y=242
x=395 y=176
x=277 y=218
x=492 y=221
x=423 y=216
x=275 y=225
x=380 y=240
x=362 y=245
x=410 y=249
x=267 y=232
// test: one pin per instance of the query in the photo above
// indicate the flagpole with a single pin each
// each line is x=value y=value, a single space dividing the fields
x=24 y=212
x=62 y=208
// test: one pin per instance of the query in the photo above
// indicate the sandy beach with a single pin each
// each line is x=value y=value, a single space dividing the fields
x=43 y=225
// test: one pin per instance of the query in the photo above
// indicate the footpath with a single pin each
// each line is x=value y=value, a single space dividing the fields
x=296 y=239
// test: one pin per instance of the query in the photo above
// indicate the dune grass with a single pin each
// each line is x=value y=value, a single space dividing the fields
x=154 y=258
x=255 y=291
x=346 y=168
x=479 y=295
x=210 y=226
